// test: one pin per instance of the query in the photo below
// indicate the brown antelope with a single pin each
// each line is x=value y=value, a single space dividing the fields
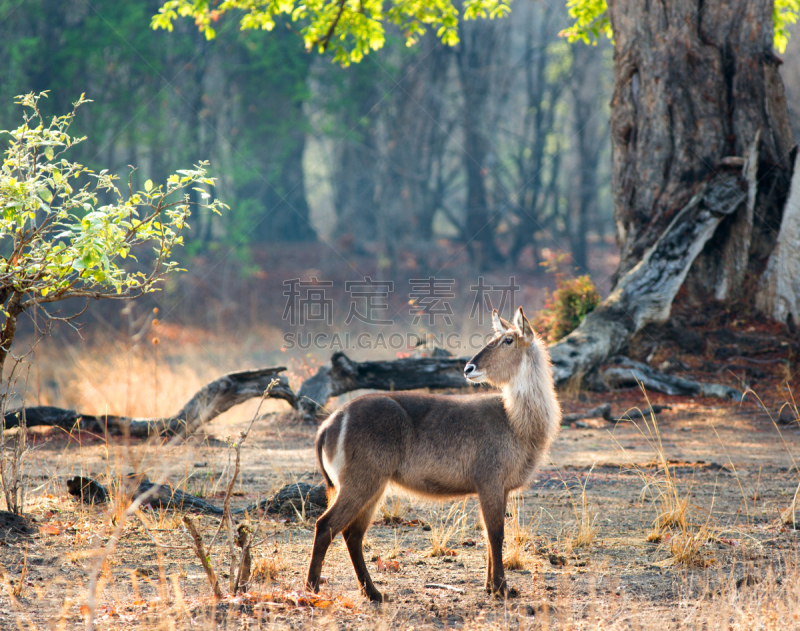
x=440 y=446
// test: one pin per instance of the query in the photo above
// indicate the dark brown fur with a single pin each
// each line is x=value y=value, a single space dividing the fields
x=440 y=446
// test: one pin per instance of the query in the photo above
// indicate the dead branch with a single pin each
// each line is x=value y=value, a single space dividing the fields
x=645 y=294
x=209 y=402
x=626 y=372
x=200 y=551
x=244 y=540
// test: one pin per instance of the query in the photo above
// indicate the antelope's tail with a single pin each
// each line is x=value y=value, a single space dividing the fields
x=319 y=446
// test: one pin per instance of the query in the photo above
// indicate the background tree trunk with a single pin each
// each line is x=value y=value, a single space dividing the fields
x=356 y=170
x=418 y=126
x=481 y=44
x=589 y=132
x=695 y=83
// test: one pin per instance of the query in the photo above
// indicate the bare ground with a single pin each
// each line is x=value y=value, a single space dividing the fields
x=734 y=467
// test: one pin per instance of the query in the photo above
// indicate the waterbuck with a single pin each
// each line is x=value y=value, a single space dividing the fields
x=440 y=446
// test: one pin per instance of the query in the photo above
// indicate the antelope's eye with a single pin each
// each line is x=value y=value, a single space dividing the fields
x=508 y=340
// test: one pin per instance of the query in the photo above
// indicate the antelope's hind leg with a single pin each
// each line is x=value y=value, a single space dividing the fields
x=346 y=513
x=354 y=538
x=330 y=524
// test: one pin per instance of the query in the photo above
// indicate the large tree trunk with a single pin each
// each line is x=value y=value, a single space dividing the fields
x=695 y=84
x=779 y=293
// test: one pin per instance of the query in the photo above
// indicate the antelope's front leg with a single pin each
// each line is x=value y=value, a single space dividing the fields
x=493 y=510
x=488 y=585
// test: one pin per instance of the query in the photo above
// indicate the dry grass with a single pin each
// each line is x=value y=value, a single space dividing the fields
x=117 y=377
x=659 y=484
x=518 y=535
x=269 y=565
x=394 y=552
x=444 y=527
x=393 y=510
x=688 y=547
x=673 y=526
x=586 y=528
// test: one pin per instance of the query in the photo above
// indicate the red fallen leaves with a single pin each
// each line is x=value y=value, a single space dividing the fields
x=292 y=599
x=399 y=521
x=268 y=600
x=388 y=566
x=104 y=612
x=56 y=528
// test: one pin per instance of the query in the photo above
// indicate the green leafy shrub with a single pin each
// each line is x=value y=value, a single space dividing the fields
x=67 y=232
x=566 y=307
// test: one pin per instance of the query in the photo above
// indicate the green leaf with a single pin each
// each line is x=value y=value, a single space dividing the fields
x=349 y=30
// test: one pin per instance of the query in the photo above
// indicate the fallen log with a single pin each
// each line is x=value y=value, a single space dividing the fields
x=209 y=402
x=645 y=294
x=345 y=375
x=295 y=498
x=601 y=411
x=624 y=372
x=637 y=414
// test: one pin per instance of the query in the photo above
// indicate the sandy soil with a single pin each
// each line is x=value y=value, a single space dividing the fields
x=734 y=465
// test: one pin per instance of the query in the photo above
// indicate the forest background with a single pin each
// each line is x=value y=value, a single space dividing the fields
x=490 y=159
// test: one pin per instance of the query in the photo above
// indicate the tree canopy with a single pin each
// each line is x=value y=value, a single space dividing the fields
x=591 y=21
x=350 y=28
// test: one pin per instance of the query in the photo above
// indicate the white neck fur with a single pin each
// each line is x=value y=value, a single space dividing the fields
x=530 y=399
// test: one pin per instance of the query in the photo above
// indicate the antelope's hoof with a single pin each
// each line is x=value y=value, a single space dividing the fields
x=375 y=596
x=312 y=586
x=504 y=591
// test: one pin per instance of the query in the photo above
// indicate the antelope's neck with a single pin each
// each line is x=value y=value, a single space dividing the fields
x=530 y=400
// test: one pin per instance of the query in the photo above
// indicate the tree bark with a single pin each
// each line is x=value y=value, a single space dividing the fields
x=644 y=295
x=695 y=83
x=209 y=402
x=779 y=293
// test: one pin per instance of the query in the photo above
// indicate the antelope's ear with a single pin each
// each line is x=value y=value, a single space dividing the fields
x=497 y=323
x=521 y=322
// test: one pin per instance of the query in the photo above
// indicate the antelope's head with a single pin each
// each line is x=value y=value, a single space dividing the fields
x=499 y=362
